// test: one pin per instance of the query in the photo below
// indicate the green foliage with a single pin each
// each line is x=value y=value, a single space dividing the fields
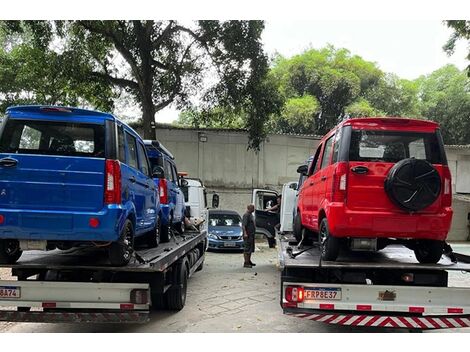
x=362 y=108
x=461 y=31
x=215 y=118
x=297 y=116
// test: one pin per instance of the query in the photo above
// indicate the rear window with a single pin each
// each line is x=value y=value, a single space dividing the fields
x=388 y=146
x=53 y=138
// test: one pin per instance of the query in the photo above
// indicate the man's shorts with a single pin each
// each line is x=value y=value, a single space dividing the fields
x=249 y=244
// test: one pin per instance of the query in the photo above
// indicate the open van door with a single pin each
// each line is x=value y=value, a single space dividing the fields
x=289 y=193
x=265 y=220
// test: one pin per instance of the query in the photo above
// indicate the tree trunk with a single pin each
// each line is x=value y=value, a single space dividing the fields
x=148 y=118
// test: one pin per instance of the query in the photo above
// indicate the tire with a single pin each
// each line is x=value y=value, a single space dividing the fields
x=176 y=295
x=153 y=237
x=271 y=242
x=429 y=251
x=120 y=252
x=297 y=227
x=165 y=231
x=329 y=245
x=10 y=251
x=413 y=184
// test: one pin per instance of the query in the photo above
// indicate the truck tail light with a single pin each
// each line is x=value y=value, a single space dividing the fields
x=139 y=296
x=340 y=182
x=446 y=188
x=112 y=192
x=294 y=294
x=162 y=186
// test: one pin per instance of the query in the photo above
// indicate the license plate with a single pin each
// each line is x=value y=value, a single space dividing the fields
x=322 y=293
x=229 y=244
x=10 y=292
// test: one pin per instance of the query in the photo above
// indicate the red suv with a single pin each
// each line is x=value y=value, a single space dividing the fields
x=375 y=182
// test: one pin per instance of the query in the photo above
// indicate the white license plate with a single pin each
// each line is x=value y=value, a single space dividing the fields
x=229 y=244
x=10 y=292
x=322 y=293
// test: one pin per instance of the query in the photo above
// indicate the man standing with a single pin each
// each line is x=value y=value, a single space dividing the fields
x=248 y=224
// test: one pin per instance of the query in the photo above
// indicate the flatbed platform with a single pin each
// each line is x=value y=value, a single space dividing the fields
x=391 y=257
x=146 y=259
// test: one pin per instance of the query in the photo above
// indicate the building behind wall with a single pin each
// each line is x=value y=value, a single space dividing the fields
x=220 y=158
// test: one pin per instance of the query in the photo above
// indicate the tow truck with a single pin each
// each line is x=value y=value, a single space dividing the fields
x=76 y=286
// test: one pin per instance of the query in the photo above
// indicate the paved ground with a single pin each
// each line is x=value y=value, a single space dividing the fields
x=224 y=297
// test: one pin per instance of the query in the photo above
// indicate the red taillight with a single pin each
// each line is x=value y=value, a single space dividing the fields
x=2 y=219
x=295 y=294
x=94 y=222
x=340 y=182
x=446 y=187
x=163 y=191
x=112 y=192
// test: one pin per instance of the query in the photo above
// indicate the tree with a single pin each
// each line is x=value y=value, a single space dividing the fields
x=445 y=98
x=297 y=116
x=167 y=62
x=362 y=108
x=333 y=76
x=461 y=31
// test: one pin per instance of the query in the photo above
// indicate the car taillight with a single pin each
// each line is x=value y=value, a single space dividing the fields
x=163 y=191
x=139 y=296
x=446 y=187
x=294 y=294
x=340 y=182
x=112 y=183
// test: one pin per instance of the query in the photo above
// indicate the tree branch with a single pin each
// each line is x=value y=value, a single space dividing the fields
x=121 y=82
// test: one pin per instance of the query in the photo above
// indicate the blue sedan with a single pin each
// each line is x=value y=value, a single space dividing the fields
x=225 y=230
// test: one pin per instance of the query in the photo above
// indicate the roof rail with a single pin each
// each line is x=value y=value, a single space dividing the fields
x=160 y=147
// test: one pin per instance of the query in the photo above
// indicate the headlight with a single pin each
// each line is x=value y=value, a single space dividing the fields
x=214 y=237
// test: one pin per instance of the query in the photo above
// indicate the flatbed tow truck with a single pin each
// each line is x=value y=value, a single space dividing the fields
x=374 y=289
x=78 y=285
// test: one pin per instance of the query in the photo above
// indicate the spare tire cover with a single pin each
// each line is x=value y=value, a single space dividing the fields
x=413 y=184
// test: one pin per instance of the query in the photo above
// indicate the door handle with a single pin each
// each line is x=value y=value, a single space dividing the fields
x=323 y=178
x=8 y=162
x=361 y=170
x=132 y=179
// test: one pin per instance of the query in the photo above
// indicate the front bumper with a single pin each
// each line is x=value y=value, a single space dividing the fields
x=225 y=244
x=60 y=225
x=343 y=222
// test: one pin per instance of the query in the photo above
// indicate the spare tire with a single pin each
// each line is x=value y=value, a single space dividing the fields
x=413 y=184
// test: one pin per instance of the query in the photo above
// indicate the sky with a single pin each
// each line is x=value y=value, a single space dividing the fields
x=407 y=48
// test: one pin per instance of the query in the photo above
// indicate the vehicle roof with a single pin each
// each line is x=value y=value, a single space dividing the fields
x=221 y=212
x=157 y=146
x=194 y=182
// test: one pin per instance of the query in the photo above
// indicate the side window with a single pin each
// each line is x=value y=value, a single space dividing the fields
x=314 y=166
x=327 y=152
x=337 y=145
x=132 y=149
x=175 y=174
x=168 y=172
x=143 y=161
x=121 y=145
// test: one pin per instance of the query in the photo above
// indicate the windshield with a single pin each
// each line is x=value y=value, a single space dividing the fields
x=388 y=146
x=224 y=220
x=52 y=138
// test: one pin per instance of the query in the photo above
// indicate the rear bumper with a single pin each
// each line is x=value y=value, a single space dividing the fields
x=347 y=223
x=61 y=226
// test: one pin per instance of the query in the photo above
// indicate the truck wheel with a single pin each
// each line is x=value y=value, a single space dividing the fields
x=297 y=227
x=165 y=231
x=329 y=245
x=176 y=295
x=428 y=251
x=10 y=251
x=153 y=237
x=120 y=252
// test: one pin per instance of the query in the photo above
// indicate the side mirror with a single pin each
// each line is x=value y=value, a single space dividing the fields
x=302 y=169
x=183 y=182
x=293 y=186
x=158 y=172
x=215 y=201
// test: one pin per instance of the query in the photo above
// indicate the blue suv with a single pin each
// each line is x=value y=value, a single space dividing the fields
x=71 y=177
x=166 y=177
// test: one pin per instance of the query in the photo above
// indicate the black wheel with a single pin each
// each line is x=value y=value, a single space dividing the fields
x=329 y=245
x=413 y=184
x=298 y=227
x=153 y=237
x=428 y=251
x=176 y=295
x=120 y=252
x=10 y=251
x=165 y=231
